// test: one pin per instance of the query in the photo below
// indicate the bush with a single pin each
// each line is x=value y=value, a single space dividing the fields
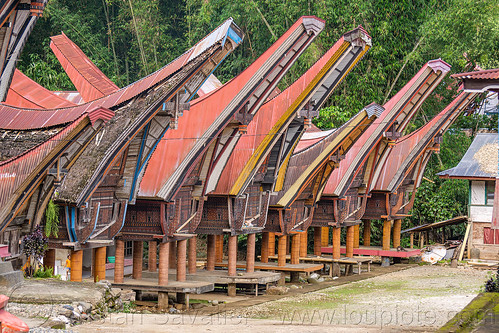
x=45 y=273
x=492 y=284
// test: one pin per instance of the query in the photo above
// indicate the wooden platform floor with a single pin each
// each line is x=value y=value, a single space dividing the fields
x=376 y=251
x=305 y=268
x=151 y=284
x=221 y=277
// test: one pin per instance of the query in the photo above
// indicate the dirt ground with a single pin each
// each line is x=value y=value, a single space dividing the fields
x=418 y=299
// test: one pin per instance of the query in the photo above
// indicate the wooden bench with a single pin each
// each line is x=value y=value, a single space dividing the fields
x=181 y=289
x=293 y=269
x=348 y=262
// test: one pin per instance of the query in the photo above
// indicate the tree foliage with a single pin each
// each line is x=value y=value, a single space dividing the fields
x=129 y=39
x=34 y=246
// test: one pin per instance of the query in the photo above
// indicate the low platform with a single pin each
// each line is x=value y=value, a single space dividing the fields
x=219 y=277
x=349 y=262
x=182 y=289
x=377 y=251
x=300 y=268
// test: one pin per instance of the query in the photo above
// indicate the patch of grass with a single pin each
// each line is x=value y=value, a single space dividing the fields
x=202 y=301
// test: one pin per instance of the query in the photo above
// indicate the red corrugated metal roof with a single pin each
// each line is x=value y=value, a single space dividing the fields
x=488 y=74
x=267 y=117
x=405 y=145
x=23 y=119
x=177 y=144
x=340 y=172
x=87 y=78
x=26 y=93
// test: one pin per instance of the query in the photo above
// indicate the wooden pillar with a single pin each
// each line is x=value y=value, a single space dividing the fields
x=192 y=256
x=164 y=258
x=153 y=249
x=356 y=236
x=181 y=259
x=303 y=243
x=317 y=241
x=349 y=242
x=99 y=264
x=250 y=253
x=295 y=249
x=387 y=225
x=397 y=228
x=281 y=251
x=367 y=233
x=336 y=243
x=411 y=235
x=219 y=248
x=173 y=254
x=119 y=261
x=76 y=265
x=325 y=236
x=138 y=248
x=210 y=253
x=265 y=248
x=271 y=244
x=232 y=268
x=49 y=259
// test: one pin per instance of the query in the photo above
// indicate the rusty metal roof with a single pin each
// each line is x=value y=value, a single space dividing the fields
x=22 y=119
x=403 y=156
x=398 y=110
x=488 y=74
x=90 y=82
x=26 y=93
x=179 y=150
x=477 y=166
x=315 y=85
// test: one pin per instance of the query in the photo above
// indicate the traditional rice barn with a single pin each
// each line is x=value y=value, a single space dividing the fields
x=345 y=194
x=175 y=180
x=92 y=168
x=239 y=188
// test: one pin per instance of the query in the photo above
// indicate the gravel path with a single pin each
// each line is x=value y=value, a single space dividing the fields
x=421 y=298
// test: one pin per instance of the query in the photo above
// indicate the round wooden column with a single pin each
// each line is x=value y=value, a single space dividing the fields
x=164 y=257
x=250 y=253
x=172 y=261
x=387 y=225
x=281 y=251
x=349 y=245
x=303 y=243
x=356 y=236
x=295 y=249
x=138 y=248
x=181 y=259
x=367 y=233
x=397 y=228
x=210 y=253
x=49 y=259
x=232 y=268
x=336 y=243
x=76 y=265
x=271 y=244
x=152 y=260
x=219 y=248
x=192 y=255
x=99 y=264
x=325 y=236
x=119 y=261
x=317 y=241
x=265 y=247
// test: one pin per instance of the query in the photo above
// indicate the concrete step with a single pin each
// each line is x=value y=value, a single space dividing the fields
x=10 y=279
